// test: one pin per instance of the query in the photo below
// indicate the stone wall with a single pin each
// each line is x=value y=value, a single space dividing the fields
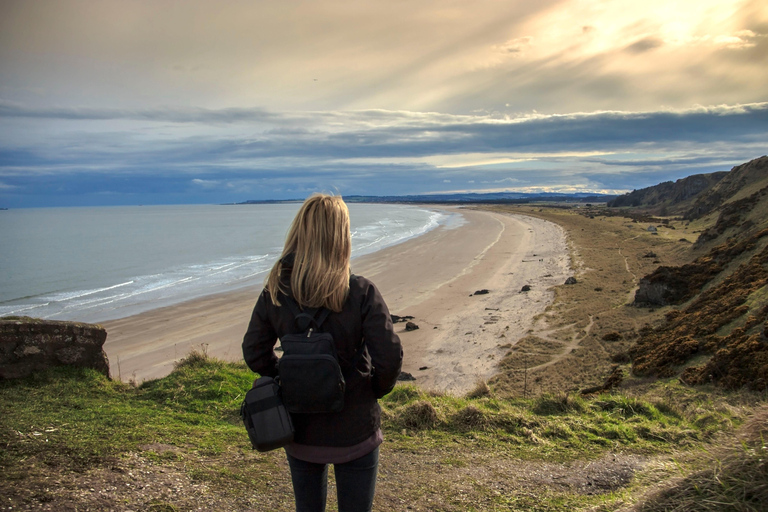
x=28 y=345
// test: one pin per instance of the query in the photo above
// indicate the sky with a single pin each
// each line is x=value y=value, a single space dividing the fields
x=121 y=102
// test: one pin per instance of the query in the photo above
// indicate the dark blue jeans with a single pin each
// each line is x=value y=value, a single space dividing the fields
x=355 y=483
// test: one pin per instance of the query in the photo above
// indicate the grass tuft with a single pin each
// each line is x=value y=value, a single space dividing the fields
x=733 y=476
x=559 y=403
x=480 y=390
x=470 y=418
x=195 y=359
x=419 y=415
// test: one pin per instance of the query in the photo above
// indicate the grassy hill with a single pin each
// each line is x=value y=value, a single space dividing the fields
x=74 y=440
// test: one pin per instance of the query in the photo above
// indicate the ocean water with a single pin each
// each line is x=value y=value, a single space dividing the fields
x=96 y=264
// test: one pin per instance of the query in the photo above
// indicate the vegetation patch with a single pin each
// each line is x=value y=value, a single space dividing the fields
x=738 y=359
x=730 y=476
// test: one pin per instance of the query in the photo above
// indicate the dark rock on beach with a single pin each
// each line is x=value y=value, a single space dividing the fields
x=405 y=376
x=526 y=288
x=396 y=319
x=571 y=280
x=481 y=292
x=410 y=326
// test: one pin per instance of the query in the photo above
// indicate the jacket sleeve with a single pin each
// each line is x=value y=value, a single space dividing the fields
x=259 y=340
x=381 y=341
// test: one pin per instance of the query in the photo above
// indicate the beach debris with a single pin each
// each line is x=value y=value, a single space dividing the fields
x=481 y=292
x=396 y=319
x=571 y=280
x=525 y=288
x=405 y=376
x=410 y=326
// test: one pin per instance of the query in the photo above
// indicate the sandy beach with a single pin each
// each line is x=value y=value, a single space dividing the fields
x=433 y=278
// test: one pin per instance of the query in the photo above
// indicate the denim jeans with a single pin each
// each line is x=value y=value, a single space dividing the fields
x=355 y=483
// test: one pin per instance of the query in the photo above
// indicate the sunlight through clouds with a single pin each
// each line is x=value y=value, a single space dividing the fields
x=232 y=100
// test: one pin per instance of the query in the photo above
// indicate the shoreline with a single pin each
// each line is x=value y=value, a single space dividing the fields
x=432 y=277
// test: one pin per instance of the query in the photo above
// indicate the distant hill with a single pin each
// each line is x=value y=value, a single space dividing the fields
x=469 y=197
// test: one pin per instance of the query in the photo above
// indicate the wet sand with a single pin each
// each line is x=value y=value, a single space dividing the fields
x=433 y=278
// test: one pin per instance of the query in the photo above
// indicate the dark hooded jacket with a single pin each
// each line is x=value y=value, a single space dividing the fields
x=365 y=317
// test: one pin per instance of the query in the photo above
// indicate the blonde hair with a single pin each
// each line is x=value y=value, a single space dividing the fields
x=320 y=240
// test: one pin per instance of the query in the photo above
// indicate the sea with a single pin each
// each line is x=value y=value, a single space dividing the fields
x=102 y=263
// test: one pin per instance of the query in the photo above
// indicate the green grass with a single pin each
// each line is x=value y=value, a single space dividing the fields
x=70 y=420
x=562 y=426
x=78 y=417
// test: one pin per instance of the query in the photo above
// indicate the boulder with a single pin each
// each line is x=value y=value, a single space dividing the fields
x=571 y=280
x=410 y=326
x=29 y=345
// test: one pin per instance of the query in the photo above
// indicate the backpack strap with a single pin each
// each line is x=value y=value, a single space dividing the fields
x=304 y=319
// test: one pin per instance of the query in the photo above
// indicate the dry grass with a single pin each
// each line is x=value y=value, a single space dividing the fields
x=480 y=390
x=731 y=476
x=195 y=359
x=419 y=415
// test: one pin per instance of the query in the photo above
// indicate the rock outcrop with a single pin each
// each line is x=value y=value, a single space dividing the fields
x=28 y=345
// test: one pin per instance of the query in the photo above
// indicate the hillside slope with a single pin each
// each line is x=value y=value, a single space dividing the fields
x=742 y=181
x=718 y=333
x=670 y=196
x=698 y=195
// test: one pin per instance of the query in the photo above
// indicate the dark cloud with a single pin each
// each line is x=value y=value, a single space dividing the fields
x=169 y=114
x=644 y=45
x=351 y=153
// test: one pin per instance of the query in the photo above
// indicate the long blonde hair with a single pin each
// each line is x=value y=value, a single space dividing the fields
x=320 y=240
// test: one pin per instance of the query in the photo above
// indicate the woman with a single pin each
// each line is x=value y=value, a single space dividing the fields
x=314 y=270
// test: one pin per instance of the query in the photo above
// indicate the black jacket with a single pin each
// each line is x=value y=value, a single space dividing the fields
x=364 y=317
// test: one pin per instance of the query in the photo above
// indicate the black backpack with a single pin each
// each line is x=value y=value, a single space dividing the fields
x=311 y=379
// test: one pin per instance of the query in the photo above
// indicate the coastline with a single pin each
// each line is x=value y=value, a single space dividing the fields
x=432 y=277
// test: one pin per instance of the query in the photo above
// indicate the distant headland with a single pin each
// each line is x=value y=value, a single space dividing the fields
x=490 y=198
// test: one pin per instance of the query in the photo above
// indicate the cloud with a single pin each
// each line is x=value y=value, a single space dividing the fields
x=169 y=114
x=206 y=183
x=370 y=151
x=516 y=45
x=644 y=45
